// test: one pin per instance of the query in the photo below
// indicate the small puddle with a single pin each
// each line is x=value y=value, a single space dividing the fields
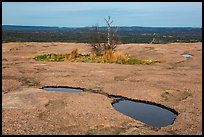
x=62 y=89
x=147 y=113
x=186 y=55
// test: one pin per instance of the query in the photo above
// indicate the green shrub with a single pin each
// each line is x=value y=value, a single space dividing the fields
x=41 y=57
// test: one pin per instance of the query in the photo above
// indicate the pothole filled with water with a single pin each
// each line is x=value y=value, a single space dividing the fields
x=61 y=89
x=186 y=55
x=147 y=113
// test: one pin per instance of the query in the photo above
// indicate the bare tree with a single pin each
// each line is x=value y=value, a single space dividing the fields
x=108 y=22
x=153 y=40
x=111 y=35
x=102 y=41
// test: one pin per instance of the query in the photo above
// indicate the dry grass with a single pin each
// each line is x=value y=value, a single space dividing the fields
x=70 y=56
x=114 y=56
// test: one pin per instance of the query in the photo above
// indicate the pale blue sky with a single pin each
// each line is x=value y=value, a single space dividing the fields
x=80 y=14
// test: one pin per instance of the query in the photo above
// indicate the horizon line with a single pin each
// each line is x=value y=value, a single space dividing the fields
x=102 y=26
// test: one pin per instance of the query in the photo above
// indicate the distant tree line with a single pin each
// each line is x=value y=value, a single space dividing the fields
x=125 y=35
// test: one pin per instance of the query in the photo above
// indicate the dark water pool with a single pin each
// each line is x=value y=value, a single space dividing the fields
x=146 y=113
x=62 y=89
x=186 y=55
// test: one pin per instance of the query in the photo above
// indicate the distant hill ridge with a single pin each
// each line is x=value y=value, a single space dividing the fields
x=126 y=34
x=126 y=28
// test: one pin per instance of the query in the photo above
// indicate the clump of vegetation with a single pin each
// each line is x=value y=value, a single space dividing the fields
x=109 y=56
x=114 y=56
x=50 y=57
x=71 y=56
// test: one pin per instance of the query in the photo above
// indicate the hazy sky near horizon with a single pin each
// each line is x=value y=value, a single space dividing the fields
x=80 y=14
